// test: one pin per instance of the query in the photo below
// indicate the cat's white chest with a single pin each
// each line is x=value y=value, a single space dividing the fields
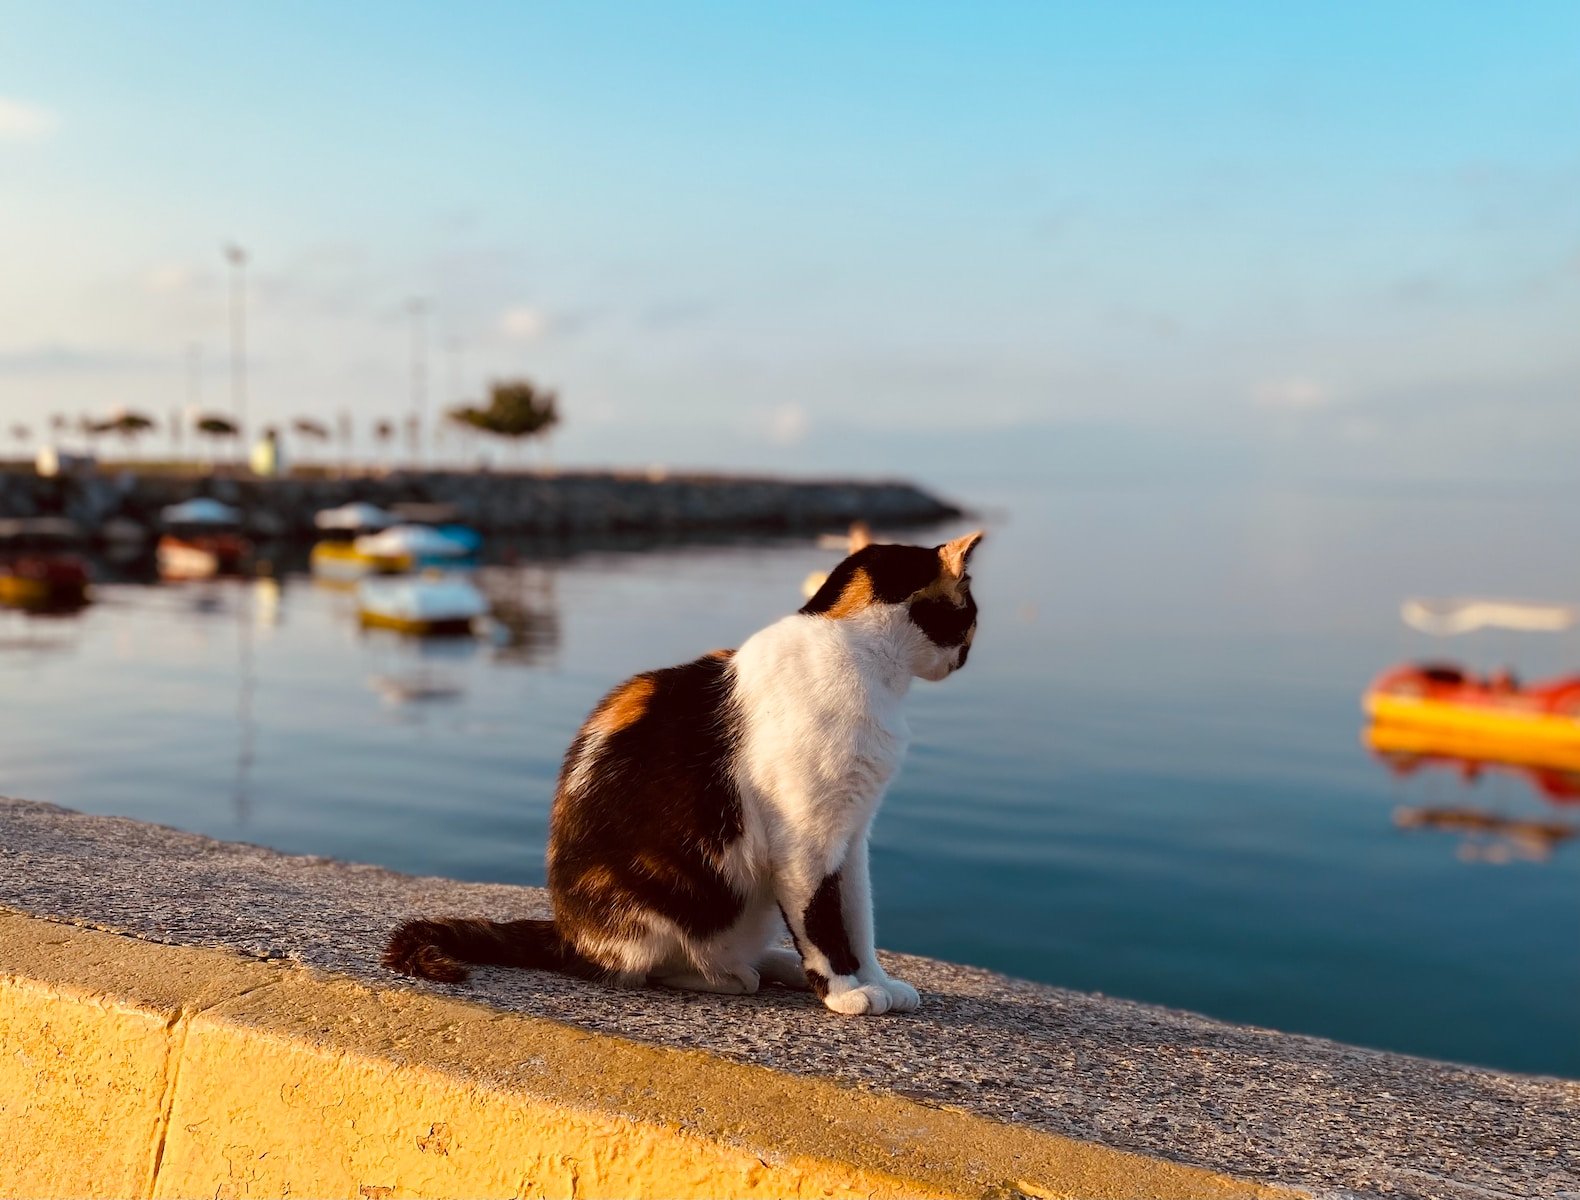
x=823 y=734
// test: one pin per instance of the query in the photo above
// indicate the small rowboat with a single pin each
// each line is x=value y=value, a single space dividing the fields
x=37 y=569
x=354 y=518
x=426 y=547
x=421 y=605
x=341 y=560
x=201 y=555
x=1496 y=707
x=1513 y=720
x=44 y=581
x=202 y=539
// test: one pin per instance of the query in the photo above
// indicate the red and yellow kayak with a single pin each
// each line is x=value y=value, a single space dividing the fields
x=1495 y=710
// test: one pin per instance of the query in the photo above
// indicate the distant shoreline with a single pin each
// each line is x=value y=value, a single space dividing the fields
x=560 y=503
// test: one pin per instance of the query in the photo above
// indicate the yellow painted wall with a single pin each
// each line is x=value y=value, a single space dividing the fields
x=134 y=1069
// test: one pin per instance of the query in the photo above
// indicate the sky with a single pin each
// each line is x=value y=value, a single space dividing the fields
x=1336 y=242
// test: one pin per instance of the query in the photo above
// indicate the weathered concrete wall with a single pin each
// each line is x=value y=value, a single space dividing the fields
x=181 y=1016
x=513 y=503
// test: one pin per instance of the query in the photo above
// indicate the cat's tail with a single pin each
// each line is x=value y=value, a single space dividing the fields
x=441 y=948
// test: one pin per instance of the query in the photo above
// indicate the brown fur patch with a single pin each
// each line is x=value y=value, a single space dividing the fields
x=597 y=884
x=945 y=587
x=955 y=554
x=858 y=595
x=721 y=654
x=624 y=708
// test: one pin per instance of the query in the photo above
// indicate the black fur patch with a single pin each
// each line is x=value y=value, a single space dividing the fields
x=818 y=982
x=656 y=806
x=824 y=922
x=944 y=622
x=896 y=572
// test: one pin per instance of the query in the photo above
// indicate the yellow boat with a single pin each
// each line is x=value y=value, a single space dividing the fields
x=342 y=560
x=420 y=606
x=1454 y=703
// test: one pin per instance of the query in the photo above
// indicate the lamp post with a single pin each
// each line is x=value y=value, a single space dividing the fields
x=237 y=257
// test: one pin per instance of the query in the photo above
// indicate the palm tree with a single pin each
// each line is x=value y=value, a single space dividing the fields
x=130 y=425
x=517 y=409
x=214 y=426
x=20 y=433
x=310 y=429
x=383 y=432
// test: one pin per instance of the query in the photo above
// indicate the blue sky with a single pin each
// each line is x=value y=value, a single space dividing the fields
x=1339 y=240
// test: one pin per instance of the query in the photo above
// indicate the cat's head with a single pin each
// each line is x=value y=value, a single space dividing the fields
x=917 y=596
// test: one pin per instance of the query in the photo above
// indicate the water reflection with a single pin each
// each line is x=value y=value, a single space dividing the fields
x=525 y=612
x=1427 y=759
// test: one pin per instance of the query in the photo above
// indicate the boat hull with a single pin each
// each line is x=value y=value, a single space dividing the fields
x=342 y=560
x=417 y=626
x=20 y=592
x=201 y=557
x=1486 y=722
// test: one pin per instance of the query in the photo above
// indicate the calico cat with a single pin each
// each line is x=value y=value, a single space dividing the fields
x=703 y=808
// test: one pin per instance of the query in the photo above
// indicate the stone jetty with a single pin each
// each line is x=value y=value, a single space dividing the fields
x=568 y=503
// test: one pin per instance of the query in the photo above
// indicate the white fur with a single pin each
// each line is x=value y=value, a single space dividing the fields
x=823 y=734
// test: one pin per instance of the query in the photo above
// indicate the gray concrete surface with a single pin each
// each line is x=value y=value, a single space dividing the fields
x=1333 y=1119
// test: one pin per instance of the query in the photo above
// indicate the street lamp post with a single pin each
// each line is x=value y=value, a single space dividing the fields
x=237 y=257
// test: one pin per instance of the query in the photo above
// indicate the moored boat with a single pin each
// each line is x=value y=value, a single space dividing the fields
x=420 y=605
x=353 y=519
x=202 y=539
x=38 y=570
x=423 y=545
x=1498 y=707
x=44 y=581
x=336 y=559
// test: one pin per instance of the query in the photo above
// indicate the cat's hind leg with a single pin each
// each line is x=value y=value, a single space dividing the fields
x=783 y=966
x=739 y=981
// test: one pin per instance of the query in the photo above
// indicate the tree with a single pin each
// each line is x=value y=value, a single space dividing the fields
x=383 y=431
x=130 y=425
x=20 y=433
x=214 y=426
x=310 y=429
x=517 y=408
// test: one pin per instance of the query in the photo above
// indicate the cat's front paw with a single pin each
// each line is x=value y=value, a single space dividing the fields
x=902 y=996
x=856 y=999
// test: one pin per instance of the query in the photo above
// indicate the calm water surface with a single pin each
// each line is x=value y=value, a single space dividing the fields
x=1148 y=782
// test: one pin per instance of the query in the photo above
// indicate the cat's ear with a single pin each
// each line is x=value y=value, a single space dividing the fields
x=957 y=553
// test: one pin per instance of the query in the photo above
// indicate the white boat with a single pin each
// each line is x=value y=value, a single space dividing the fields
x=357 y=517
x=200 y=540
x=200 y=510
x=423 y=545
x=420 y=604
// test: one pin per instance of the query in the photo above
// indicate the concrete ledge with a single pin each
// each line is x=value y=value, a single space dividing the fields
x=222 y=1028
x=141 y=1069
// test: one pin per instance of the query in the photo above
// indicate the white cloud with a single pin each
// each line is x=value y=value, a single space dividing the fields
x=1294 y=394
x=523 y=324
x=23 y=122
x=788 y=424
x=169 y=279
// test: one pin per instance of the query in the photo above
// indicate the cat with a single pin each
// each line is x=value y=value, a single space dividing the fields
x=704 y=808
